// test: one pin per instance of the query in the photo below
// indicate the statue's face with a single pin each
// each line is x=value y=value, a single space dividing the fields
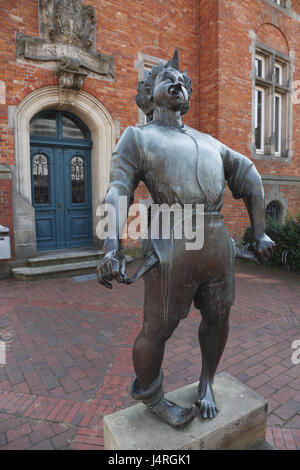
x=169 y=90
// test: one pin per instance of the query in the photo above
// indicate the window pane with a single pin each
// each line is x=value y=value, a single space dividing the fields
x=78 y=180
x=40 y=179
x=72 y=129
x=259 y=67
x=44 y=125
x=259 y=119
x=278 y=74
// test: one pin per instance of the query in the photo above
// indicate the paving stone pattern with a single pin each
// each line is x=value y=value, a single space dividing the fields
x=69 y=361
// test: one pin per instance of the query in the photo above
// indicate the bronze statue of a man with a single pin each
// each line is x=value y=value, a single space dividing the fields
x=180 y=165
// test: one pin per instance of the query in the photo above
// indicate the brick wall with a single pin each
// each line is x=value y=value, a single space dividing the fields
x=209 y=63
x=152 y=27
x=237 y=21
x=213 y=39
x=6 y=216
x=296 y=6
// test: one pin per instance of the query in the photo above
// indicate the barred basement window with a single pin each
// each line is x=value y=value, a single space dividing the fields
x=271 y=103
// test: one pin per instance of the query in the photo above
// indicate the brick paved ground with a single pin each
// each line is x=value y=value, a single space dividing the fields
x=69 y=356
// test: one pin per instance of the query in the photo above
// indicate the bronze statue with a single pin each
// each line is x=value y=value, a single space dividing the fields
x=180 y=165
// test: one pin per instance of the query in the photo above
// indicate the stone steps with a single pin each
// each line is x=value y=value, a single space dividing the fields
x=72 y=256
x=59 y=264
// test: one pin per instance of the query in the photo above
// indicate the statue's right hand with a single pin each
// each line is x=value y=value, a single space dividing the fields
x=112 y=266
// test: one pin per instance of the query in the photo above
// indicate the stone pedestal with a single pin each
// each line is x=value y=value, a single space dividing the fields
x=240 y=424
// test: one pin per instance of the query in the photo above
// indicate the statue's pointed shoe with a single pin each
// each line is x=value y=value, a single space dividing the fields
x=153 y=397
x=175 y=415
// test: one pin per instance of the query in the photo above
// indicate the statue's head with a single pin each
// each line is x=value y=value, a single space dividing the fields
x=165 y=87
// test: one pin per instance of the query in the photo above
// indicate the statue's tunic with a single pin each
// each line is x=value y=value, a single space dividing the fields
x=183 y=166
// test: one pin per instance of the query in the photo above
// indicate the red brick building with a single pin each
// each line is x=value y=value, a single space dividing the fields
x=67 y=91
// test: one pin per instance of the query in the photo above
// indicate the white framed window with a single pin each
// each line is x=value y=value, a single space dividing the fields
x=259 y=119
x=277 y=2
x=277 y=123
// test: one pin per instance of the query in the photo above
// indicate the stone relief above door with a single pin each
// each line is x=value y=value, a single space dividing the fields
x=69 y=21
x=67 y=38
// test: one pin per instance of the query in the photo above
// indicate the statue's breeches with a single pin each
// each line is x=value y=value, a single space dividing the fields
x=205 y=276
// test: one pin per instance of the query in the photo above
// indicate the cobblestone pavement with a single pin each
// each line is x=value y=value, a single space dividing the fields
x=68 y=358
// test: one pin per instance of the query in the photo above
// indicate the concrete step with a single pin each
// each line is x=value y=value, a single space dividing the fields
x=61 y=264
x=29 y=273
x=65 y=257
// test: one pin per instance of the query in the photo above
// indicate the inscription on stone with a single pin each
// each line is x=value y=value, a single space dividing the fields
x=37 y=49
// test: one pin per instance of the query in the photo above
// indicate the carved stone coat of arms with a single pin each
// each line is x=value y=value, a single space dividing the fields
x=67 y=36
x=70 y=21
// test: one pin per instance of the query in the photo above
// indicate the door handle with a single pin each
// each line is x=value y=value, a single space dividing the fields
x=60 y=206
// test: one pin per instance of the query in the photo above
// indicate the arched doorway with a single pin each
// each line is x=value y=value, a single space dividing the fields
x=102 y=130
x=60 y=147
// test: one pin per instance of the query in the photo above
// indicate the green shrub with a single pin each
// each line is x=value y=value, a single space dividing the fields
x=286 y=236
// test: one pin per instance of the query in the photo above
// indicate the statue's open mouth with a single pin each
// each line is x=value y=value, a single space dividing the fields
x=175 y=90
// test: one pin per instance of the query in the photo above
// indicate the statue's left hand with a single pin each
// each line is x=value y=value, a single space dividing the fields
x=264 y=247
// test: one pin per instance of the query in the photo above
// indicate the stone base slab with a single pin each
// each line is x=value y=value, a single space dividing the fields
x=240 y=424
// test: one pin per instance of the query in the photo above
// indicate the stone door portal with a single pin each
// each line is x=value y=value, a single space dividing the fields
x=60 y=146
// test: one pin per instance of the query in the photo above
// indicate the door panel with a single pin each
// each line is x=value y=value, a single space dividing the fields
x=78 y=214
x=43 y=196
x=45 y=227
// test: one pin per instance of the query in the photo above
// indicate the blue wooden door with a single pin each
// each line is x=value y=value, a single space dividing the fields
x=77 y=198
x=61 y=187
x=43 y=196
